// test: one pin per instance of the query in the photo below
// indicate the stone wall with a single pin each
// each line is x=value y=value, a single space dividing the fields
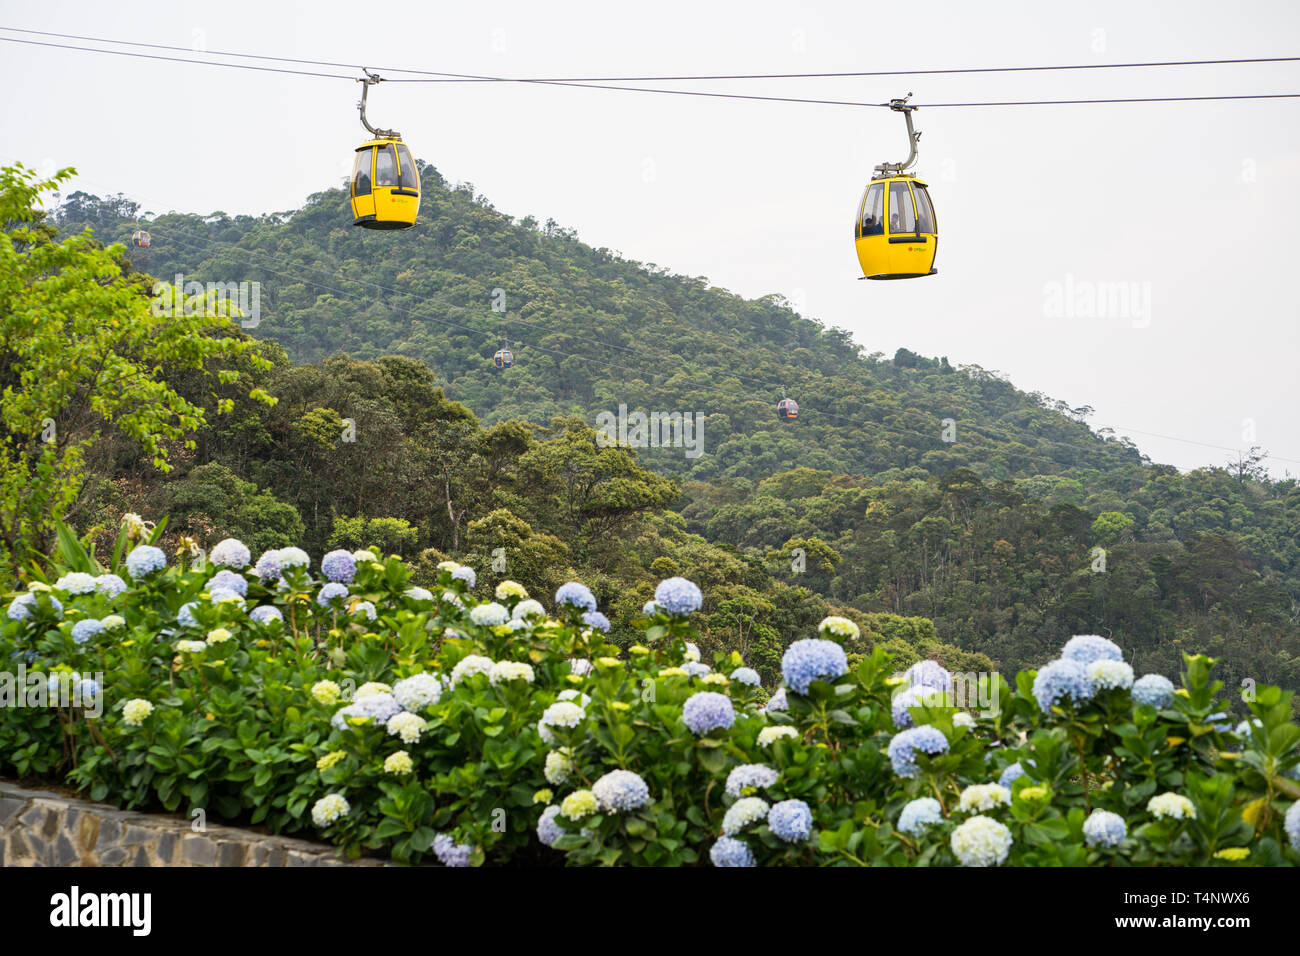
x=40 y=828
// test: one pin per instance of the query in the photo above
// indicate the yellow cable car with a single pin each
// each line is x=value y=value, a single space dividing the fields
x=504 y=358
x=896 y=233
x=385 y=188
x=140 y=239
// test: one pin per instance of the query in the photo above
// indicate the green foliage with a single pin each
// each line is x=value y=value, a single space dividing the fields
x=83 y=349
x=270 y=722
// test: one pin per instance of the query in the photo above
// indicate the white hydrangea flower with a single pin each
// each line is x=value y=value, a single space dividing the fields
x=563 y=714
x=399 y=763
x=370 y=688
x=509 y=589
x=329 y=808
x=981 y=841
x=528 y=608
x=190 y=647
x=503 y=671
x=559 y=764
x=489 y=615
x=418 y=691
x=406 y=725
x=840 y=627
x=469 y=666
x=135 y=711
x=113 y=622
x=326 y=692
x=963 y=718
x=984 y=796
x=1106 y=674
x=769 y=735
x=77 y=582
x=1171 y=806
x=742 y=813
x=692 y=652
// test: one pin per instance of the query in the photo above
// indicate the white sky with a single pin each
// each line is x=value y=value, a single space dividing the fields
x=1194 y=202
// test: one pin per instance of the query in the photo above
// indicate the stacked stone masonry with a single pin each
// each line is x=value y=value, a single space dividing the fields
x=39 y=828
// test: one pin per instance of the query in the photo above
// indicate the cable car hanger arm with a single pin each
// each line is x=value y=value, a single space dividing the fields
x=913 y=138
x=370 y=80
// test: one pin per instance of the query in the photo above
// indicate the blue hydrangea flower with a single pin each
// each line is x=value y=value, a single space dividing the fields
x=21 y=607
x=650 y=609
x=229 y=580
x=265 y=614
x=1154 y=690
x=905 y=744
x=746 y=675
x=268 y=567
x=87 y=689
x=695 y=668
x=222 y=595
x=185 y=616
x=707 y=711
x=778 y=701
x=1219 y=721
x=1062 y=680
x=928 y=674
x=728 y=851
x=376 y=707
x=620 y=790
x=465 y=574
x=449 y=852
x=231 y=553
x=1087 y=648
x=678 y=596
x=363 y=607
x=1011 y=773
x=791 y=820
x=331 y=592
x=918 y=815
x=577 y=595
x=339 y=566
x=749 y=776
x=1103 y=828
x=83 y=631
x=548 y=831
x=597 y=620
x=145 y=559
x=110 y=584
x=810 y=659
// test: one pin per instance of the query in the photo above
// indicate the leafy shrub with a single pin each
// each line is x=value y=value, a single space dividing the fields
x=427 y=724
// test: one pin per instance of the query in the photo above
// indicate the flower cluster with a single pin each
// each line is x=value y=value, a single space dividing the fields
x=811 y=659
x=620 y=790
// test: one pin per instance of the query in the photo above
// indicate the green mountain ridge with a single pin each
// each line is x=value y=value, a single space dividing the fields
x=1026 y=528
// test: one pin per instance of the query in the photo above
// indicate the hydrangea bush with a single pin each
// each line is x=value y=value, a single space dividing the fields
x=443 y=725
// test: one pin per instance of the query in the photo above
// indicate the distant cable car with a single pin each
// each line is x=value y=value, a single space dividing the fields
x=503 y=359
x=787 y=409
x=140 y=239
x=896 y=233
x=385 y=183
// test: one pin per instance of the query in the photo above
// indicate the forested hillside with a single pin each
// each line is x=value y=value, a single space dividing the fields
x=399 y=432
